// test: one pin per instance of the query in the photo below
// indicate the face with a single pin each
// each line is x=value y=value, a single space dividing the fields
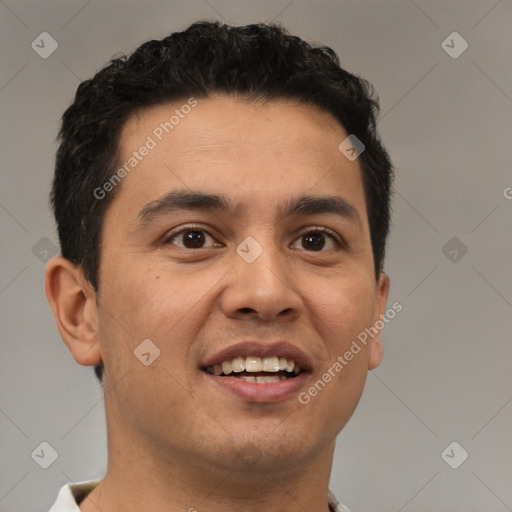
x=242 y=234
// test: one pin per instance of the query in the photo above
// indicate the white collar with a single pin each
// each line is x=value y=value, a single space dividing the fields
x=71 y=494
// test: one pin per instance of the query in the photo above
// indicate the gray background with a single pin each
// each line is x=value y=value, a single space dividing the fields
x=446 y=374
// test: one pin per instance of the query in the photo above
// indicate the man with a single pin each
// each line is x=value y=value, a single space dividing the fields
x=222 y=202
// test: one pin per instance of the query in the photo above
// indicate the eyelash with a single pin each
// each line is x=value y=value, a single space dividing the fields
x=313 y=229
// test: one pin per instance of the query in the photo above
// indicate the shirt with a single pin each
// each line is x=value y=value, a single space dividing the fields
x=72 y=494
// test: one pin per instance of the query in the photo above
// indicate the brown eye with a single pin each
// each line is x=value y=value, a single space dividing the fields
x=315 y=240
x=190 y=239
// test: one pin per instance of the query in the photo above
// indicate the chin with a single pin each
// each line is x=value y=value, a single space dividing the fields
x=268 y=450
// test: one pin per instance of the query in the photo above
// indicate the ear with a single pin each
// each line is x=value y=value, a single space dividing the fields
x=381 y=299
x=73 y=302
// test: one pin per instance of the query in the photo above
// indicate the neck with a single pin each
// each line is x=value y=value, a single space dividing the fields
x=142 y=478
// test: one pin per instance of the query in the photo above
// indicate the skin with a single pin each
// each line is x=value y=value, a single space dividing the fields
x=175 y=441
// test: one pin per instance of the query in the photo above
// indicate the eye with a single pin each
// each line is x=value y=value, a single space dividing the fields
x=315 y=239
x=190 y=238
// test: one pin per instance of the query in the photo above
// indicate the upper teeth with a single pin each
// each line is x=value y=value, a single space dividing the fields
x=255 y=364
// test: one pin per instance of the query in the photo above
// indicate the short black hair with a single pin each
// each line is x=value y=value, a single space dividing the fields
x=257 y=62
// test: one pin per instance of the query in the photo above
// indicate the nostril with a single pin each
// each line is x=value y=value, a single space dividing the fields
x=247 y=310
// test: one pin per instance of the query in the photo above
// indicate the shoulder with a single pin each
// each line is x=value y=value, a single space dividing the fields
x=71 y=495
x=335 y=505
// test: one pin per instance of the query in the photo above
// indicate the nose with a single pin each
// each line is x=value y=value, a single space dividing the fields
x=264 y=289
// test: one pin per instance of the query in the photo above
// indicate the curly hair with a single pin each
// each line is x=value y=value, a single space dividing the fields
x=258 y=62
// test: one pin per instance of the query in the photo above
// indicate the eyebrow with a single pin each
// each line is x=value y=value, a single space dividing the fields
x=185 y=200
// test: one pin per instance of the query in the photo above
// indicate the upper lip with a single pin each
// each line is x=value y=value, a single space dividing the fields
x=261 y=349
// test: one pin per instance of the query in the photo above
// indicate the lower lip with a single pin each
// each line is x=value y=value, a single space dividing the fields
x=264 y=392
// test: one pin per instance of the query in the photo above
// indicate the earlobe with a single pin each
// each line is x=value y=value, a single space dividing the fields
x=73 y=302
x=376 y=350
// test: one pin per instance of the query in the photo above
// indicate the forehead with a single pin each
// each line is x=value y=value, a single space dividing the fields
x=221 y=122
x=222 y=144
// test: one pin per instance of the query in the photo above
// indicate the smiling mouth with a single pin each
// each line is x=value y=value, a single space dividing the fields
x=256 y=369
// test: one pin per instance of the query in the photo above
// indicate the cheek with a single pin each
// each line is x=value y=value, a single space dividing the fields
x=343 y=314
x=166 y=307
x=342 y=310
x=141 y=298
